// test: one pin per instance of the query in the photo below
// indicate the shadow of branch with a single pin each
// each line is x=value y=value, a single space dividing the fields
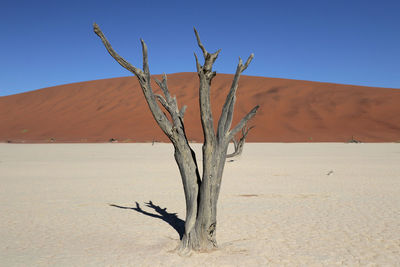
x=170 y=218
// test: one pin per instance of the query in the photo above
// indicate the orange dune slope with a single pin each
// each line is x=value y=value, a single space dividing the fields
x=290 y=111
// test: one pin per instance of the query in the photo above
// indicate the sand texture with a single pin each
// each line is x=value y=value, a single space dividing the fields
x=290 y=111
x=280 y=205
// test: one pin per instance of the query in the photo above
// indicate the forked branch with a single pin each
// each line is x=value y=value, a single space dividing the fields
x=209 y=59
x=225 y=120
x=118 y=58
x=206 y=75
x=144 y=77
x=242 y=123
x=239 y=143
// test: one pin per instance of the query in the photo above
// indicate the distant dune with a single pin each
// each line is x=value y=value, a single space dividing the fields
x=291 y=111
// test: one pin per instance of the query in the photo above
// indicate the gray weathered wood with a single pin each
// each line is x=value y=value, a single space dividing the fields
x=239 y=144
x=201 y=194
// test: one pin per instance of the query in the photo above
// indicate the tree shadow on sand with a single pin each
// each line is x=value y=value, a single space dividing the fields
x=170 y=218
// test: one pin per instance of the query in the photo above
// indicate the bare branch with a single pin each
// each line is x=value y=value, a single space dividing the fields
x=170 y=103
x=225 y=120
x=182 y=111
x=249 y=59
x=164 y=86
x=158 y=82
x=240 y=64
x=118 y=58
x=209 y=59
x=236 y=146
x=245 y=131
x=170 y=100
x=242 y=123
x=144 y=80
x=235 y=142
x=239 y=144
x=174 y=103
x=163 y=102
x=206 y=75
x=248 y=130
x=145 y=59
x=198 y=66
x=200 y=44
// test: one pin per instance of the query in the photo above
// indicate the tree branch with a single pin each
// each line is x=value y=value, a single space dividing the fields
x=239 y=144
x=144 y=80
x=245 y=131
x=225 y=120
x=163 y=102
x=111 y=51
x=231 y=134
x=209 y=59
x=169 y=102
x=198 y=66
x=206 y=75
x=145 y=60
x=164 y=86
x=182 y=111
x=249 y=59
x=205 y=53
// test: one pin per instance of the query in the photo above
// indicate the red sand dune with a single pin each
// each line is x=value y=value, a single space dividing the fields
x=291 y=111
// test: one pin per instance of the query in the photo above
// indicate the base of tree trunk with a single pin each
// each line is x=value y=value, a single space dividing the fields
x=194 y=242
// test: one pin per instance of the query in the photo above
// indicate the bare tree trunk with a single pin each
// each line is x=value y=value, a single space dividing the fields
x=201 y=194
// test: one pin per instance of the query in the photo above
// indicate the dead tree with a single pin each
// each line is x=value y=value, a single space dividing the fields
x=201 y=193
x=239 y=144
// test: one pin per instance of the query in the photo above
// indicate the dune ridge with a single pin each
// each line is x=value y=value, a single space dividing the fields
x=291 y=111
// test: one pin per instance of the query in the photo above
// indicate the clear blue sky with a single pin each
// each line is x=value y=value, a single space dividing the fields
x=47 y=43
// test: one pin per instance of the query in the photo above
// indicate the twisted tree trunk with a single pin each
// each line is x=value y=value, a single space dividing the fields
x=201 y=194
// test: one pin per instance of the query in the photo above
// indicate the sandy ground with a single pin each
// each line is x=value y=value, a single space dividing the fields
x=280 y=204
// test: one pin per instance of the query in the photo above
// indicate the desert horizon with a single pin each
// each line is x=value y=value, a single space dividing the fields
x=115 y=109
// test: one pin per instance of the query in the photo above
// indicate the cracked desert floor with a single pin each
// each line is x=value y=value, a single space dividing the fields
x=295 y=204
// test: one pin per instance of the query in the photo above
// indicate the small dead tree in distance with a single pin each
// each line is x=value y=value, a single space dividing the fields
x=201 y=194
